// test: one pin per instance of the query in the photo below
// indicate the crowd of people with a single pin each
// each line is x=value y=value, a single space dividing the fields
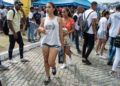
x=62 y=27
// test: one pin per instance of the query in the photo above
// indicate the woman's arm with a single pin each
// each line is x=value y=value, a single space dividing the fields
x=61 y=32
x=41 y=27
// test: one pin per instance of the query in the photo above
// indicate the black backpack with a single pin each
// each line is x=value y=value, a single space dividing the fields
x=5 y=24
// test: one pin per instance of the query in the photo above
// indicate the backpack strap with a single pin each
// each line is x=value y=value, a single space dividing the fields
x=88 y=17
x=13 y=13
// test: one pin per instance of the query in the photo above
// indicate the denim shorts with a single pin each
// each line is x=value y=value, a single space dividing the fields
x=52 y=46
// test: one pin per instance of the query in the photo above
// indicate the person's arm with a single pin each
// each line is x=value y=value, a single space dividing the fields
x=41 y=27
x=72 y=27
x=61 y=32
x=94 y=23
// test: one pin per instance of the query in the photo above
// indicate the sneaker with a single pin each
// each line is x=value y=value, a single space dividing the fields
x=63 y=66
x=46 y=82
x=79 y=52
x=97 y=53
x=3 y=67
x=87 y=62
x=70 y=61
x=24 y=60
x=54 y=71
x=13 y=61
x=110 y=63
x=103 y=57
x=113 y=73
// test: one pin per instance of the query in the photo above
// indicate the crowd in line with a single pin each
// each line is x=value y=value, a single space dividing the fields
x=60 y=28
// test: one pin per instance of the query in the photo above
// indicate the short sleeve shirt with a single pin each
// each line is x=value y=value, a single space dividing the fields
x=92 y=16
x=69 y=24
x=15 y=20
x=114 y=20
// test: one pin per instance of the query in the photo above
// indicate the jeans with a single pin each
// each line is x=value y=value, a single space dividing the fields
x=77 y=40
x=12 y=41
x=117 y=59
x=88 y=43
x=112 y=49
x=31 y=30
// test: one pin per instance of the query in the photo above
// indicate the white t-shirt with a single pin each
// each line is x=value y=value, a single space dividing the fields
x=31 y=17
x=76 y=23
x=92 y=16
x=114 y=20
x=103 y=24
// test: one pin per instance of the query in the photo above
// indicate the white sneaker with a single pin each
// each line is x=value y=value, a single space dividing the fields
x=24 y=60
x=96 y=53
x=63 y=66
x=102 y=56
x=69 y=61
x=13 y=61
x=4 y=67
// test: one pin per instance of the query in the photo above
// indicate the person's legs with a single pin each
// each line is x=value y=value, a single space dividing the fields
x=45 y=51
x=29 y=33
x=77 y=41
x=85 y=44
x=90 y=46
x=11 y=46
x=52 y=56
x=21 y=44
x=102 y=46
x=98 y=46
x=117 y=59
x=67 y=51
x=32 y=31
x=112 y=50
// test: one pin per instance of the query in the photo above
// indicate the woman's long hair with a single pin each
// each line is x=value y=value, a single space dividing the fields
x=68 y=11
x=53 y=5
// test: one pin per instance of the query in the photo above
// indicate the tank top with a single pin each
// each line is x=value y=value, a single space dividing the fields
x=52 y=29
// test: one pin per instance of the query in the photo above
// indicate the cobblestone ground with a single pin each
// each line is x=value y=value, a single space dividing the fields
x=32 y=73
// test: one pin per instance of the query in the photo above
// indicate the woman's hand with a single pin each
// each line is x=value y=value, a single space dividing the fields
x=42 y=30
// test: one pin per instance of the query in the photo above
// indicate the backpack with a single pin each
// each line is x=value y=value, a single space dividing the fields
x=85 y=25
x=5 y=24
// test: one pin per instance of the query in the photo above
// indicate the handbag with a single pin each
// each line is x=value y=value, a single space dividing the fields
x=117 y=41
x=61 y=56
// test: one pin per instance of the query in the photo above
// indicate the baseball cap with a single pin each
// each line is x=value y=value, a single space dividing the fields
x=18 y=2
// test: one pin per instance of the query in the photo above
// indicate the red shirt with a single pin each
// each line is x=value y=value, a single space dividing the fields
x=68 y=24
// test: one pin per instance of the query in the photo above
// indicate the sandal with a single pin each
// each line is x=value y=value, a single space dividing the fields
x=46 y=82
x=54 y=71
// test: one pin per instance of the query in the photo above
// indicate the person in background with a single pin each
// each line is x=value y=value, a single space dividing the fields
x=116 y=60
x=31 y=27
x=91 y=34
x=113 y=24
x=13 y=20
x=102 y=33
x=77 y=32
x=68 y=28
x=37 y=17
x=52 y=40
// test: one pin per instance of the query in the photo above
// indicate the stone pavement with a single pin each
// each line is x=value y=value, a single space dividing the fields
x=32 y=73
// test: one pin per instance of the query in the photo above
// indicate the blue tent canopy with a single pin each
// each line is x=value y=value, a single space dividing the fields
x=7 y=4
x=84 y=3
x=0 y=2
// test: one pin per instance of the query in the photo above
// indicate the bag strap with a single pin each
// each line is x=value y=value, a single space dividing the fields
x=88 y=15
x=13 y=13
